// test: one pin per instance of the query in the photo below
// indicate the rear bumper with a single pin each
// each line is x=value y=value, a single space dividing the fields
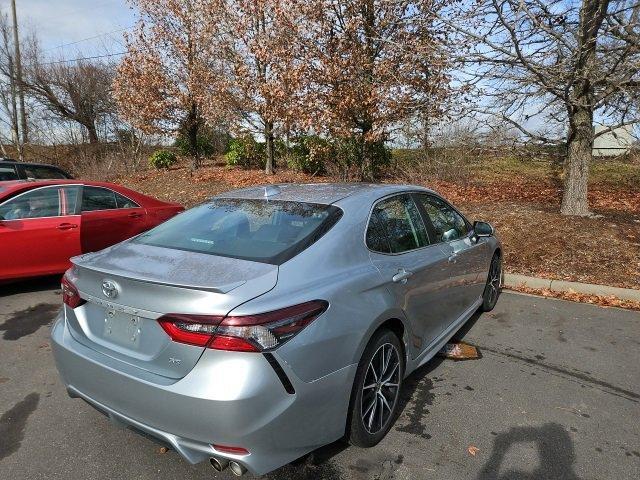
x=229 y=398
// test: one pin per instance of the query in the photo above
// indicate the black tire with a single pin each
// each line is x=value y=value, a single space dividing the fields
x=368 y=435
x=493 y=287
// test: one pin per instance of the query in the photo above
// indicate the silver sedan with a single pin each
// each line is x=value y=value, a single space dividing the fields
x=269 y=321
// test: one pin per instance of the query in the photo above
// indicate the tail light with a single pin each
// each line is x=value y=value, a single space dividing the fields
x=70 y=295
x=249 y=333
x=191 y=329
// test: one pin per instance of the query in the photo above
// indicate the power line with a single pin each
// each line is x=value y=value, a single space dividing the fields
x=89 y=38
x=84 y=58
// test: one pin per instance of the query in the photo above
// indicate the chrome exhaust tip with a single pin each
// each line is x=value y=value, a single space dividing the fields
x=237 y=469
x=219 y=463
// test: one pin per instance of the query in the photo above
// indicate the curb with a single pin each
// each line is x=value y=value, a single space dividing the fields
x=513 y=280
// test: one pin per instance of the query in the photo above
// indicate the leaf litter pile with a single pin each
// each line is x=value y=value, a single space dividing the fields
x=601 y=300
x=537 y=240
x=460 y=351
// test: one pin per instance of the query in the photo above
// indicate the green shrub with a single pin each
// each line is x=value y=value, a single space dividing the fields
x=356 y=158
x=162 y=159
x=379 y=159
x=348 y=157
x=208 y=142
x=246 y=152
x=307 y=154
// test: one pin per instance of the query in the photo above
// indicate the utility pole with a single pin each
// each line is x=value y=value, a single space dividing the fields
x=14 y=111
x=15 y=132
x=19 y=84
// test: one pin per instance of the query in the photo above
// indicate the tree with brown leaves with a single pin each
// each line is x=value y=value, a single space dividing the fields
x=258 y=77
x=369 y=65
x=159 y=84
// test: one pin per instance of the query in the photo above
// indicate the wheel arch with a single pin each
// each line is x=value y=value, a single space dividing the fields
x=396 y=322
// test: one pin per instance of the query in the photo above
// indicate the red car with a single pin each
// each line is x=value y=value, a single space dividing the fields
x=45 y=222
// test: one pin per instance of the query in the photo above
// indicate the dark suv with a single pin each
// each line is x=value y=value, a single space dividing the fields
x=13 y=170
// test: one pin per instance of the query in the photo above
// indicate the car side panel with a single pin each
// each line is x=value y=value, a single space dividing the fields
x=465 y=285
x=157 y=215
x=38 y=246
x=424 y=296
x=103 y=228
x=336 y=268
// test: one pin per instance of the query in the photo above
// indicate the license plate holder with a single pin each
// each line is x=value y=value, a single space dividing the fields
x=122 y=328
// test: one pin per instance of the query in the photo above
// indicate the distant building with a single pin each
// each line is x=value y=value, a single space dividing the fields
x=616 y=142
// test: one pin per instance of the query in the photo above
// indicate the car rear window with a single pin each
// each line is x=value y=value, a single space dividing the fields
x=8 y=173
x=268 y=231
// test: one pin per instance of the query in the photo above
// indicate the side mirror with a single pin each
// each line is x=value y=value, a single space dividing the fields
x=483 y=229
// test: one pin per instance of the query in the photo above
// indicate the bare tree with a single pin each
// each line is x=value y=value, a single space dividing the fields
x=549 y=67
x=77 y=91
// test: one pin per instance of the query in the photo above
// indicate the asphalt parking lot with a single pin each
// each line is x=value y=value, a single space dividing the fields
x=555 y=395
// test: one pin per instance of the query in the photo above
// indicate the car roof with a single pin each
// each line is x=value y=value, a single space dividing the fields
x=16 y=162
x=323 y=193
x=11 y=187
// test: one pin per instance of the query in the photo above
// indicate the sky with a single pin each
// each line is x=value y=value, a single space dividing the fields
x=58 y=23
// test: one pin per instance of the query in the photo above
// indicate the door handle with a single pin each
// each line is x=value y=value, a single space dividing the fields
x=402 y=276
x=67 y=226
x=453 y=258
x=135 y=215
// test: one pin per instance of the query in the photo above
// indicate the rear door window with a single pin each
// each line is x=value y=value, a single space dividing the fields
x=98 y=198
x=258 y=230
x=38 y=203
x=395 y=226
x=124 y=202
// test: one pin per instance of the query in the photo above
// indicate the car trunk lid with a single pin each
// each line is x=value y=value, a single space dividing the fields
x=129 y=286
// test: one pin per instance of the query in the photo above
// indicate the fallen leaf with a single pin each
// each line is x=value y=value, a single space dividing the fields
x=473 y=450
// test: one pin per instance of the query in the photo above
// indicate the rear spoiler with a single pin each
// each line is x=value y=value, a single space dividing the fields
x=139 y=277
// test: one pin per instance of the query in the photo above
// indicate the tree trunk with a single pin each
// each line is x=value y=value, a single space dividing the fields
x=580 y=111
x=191 y=128
x=365 y=161
x=425 y=133
x=268 y=135
x=367 y=167
x=93 y=134
x=579 y=155
x=192 y=133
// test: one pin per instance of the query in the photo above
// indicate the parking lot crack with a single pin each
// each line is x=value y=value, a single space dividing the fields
x=594 y=382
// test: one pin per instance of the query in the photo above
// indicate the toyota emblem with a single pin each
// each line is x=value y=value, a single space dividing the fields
x=109 y=289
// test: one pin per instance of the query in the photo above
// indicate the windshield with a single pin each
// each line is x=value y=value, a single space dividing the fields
x=258 y=230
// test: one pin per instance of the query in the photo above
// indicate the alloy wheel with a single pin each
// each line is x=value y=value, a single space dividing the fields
x=495 y=278
x=380 y=388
